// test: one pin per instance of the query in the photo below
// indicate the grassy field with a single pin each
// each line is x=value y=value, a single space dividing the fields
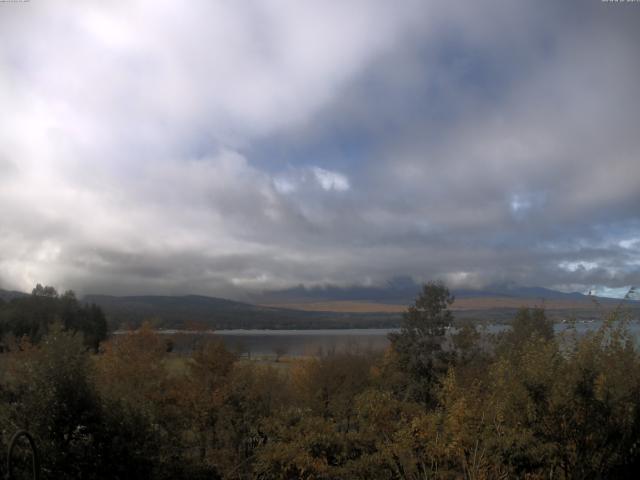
x=461 y=304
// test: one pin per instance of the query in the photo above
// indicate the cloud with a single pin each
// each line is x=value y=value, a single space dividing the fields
x=329 y=180
x=309 y=179
x=630 y=243
x=216 y=147
x=522 y=204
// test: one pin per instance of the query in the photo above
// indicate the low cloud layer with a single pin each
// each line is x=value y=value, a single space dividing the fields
x=220 y=147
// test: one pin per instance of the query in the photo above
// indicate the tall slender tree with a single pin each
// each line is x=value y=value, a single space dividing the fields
x=419 y=346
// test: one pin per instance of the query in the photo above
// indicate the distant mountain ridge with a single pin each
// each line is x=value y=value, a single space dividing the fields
x=521 y=292
x=402 y=292
x=327 y=307
x=7 y=295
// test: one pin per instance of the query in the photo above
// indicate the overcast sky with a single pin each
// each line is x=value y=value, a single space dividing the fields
x=216 y=147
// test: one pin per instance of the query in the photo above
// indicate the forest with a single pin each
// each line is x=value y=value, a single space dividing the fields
x=439 y=403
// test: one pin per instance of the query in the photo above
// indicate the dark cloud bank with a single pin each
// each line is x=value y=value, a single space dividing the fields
x=222 y=147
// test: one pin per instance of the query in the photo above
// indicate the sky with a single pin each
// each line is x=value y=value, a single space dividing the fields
x=221 y=147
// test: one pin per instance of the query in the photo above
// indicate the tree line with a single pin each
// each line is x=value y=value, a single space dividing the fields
x=437 y=403
x=30 y=317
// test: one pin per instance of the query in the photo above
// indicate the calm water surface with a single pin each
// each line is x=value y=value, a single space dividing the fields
x=315 y=342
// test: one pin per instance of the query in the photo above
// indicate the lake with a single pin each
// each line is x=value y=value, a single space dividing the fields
x=316 y=342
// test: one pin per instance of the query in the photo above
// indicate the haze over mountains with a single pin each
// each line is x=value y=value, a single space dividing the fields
x=7 y=295
x=403 y=291
x=333 y=306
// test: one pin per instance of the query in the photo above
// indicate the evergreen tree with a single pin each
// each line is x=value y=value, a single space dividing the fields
x=419 y=344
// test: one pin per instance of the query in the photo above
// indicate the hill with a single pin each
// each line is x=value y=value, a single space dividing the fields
x=202 y=312
x=7 y=295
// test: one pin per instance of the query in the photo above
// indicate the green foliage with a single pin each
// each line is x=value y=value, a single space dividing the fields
x=419 y=345
x=527 y=324
x=31 y=316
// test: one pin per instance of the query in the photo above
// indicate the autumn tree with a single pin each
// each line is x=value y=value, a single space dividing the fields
x=203 y=392
x=133 y=382
x=54 y=398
